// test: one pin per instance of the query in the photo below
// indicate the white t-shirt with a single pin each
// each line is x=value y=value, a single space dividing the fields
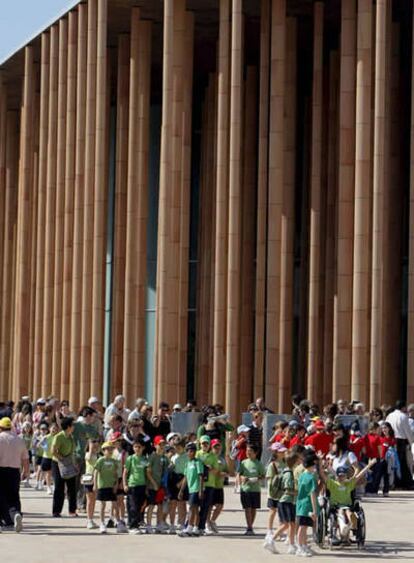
x=345 y=460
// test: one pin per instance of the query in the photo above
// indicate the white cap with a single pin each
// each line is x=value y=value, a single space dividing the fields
x=172 y=435
x=119 y=398
x=41 y=401
x=177 y=406
x=92 y=400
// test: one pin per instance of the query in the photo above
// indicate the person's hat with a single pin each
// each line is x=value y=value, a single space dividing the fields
x=215 y=442
x=26 y=398
x=341 y=470
x=173 y=435
x=116 y=436
x=293 y=424
x=41 y=401
x=177 y=406
x=205 y=439
x=191 y=446
x=108 y=445
x=242 y=428
x=319 y=425
x=278 y=447
x=5 y=423
x=93 y=400
x=159 y=440
x=119 y=398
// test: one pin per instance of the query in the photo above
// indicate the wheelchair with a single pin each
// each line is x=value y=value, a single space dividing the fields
x=327 y=531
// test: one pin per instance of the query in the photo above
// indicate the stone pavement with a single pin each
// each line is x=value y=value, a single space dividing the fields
x=45 y=539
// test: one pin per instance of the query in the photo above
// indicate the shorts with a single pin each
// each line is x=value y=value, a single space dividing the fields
x=286 y=512
x=173 y=486
x=194 y=499
x=272 y=503
x=46 y=464
x=250 y=500
x=106 y=495
x=38 y=460
x=156 y=497
x=88 y=488
x=305 y=521
x=218 y=496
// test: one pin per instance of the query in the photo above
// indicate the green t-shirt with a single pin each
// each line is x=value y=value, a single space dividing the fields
x=210 y=460
x=223 y=468
x=179 y=462
x=288 y=486
x=47 y=446
x=107 y=470
x=254 y=470
x=274 y=468
x=340 y=492
x=306 y=486
x=90 y=462
x=136 y=467
x=65 y=445
x=81 y=434
x=158 y=465
x=192 y=472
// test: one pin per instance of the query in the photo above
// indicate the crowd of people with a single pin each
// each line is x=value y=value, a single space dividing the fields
x=134 y=472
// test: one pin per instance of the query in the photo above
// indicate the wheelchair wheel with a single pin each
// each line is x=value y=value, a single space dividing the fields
x=321 y=528
x=361 y=529
x=332 y=530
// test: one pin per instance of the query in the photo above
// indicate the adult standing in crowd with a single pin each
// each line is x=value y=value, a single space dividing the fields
x=116 y=408
x=255 y=437
x=161 y=421
x=63 y=450
x=13 y=457
x=404 y=437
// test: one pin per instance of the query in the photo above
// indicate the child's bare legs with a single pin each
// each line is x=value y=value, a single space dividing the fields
x=103 y=509
x=90 y=504
x=291 y=532
x=250 y=514
x=216 y=512
x=194 y=516
x=121 y=506
x=182 y=512
x=160 y=514
x=271 y=518
x=149 y=514
x=302 y=536
x=48 y=477
x=282 y=528
x=115 y=510
x=173 y=511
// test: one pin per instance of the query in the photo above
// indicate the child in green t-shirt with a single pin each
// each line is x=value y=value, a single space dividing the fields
x=46 y=464
x=251 y=472
x=157 y=466
x=273 y=473
x=306 y=504
x=193 y=479
x=178 y=463
x=217 y=504
x=134 y=482
x=91 y=457
x=106 y=484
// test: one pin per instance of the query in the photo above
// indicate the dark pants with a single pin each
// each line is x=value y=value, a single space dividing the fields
x=379 y=471
x=406 y=480
x=9 y=494
x=135 y=504
x=205 y=505
x=59 y=492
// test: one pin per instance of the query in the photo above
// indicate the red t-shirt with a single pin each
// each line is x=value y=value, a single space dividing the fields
x=242 y=447
x=356 y=445
x=385 y=444
x=372 y=442
x=296 y=441
x=320 y=441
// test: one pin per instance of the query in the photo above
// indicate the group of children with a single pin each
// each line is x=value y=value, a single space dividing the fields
x=174 y=474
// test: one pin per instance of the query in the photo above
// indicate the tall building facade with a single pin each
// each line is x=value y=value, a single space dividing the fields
x=210 y=199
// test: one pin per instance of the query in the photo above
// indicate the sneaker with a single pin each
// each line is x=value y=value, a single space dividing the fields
x=195 y=532
x=49 y=491
x=102 y=529
x=208 y=531
x=110 y=523
x=269 y=544
x=172 y=530
x=385 y=494
x=38 y=486
x=185 y=533
x=249 y=532
x=18 y=523
x=91 y=525
x=134 y=531
x=214 y=527
x=149 y=529
x=291 y=549
x=301 y=552
x=121 y=528
x=164 y=527
x=7 y=528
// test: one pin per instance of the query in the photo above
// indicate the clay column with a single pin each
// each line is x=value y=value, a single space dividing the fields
x=343 y=311
x=410 y=339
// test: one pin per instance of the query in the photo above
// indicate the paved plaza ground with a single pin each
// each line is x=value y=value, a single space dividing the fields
x=390 y=537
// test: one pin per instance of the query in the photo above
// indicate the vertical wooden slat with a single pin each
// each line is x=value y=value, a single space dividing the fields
x=3 y=219
x=262 y=181
x=60 y=207
x=120 y=212
x=100 y=202
x=22 y=297
x=70 y=178
x=221 y=204
x=78 y=210
x=275 y=198
x=410 y=336
x=288 y=219
x=343 y=311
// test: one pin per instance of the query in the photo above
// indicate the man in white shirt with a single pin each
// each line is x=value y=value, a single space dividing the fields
x=118 y=408
x=405 y=437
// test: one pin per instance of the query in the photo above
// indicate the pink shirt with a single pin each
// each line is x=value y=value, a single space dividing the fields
x=12 y=450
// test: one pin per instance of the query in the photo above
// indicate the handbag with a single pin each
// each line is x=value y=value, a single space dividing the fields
x=87 y=479
x=67 y=468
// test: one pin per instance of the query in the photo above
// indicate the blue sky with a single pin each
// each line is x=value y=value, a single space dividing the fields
x=22 y=19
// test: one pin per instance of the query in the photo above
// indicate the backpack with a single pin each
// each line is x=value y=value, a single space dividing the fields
x=275 y=485
x=234 y=451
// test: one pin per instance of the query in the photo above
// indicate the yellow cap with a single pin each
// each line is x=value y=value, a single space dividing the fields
x=106 y=445
x=5 y=423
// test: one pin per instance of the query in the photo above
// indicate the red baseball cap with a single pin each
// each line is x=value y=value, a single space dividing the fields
x=319 y=425
x=215 y=442
x=116 y=436
x=158 y=440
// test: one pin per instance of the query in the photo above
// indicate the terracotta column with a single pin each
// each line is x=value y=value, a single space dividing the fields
x=22 y=303
x=220 y=273
x=3 y=141
x=88 y=204
x=362 y=211
x=100 y=201
x=60 y=207
x=70 y=178
x=137 y=212
x=410 y=338
x=330 y=274
x=78 y=209
x=120 y=212
x=381 y=45
x=288 y=222
x=247 y=271
x=314 y=375
x=41 y=214
x=343 y=311
x=47 y=338
x=262 y=182
x=275 y=199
